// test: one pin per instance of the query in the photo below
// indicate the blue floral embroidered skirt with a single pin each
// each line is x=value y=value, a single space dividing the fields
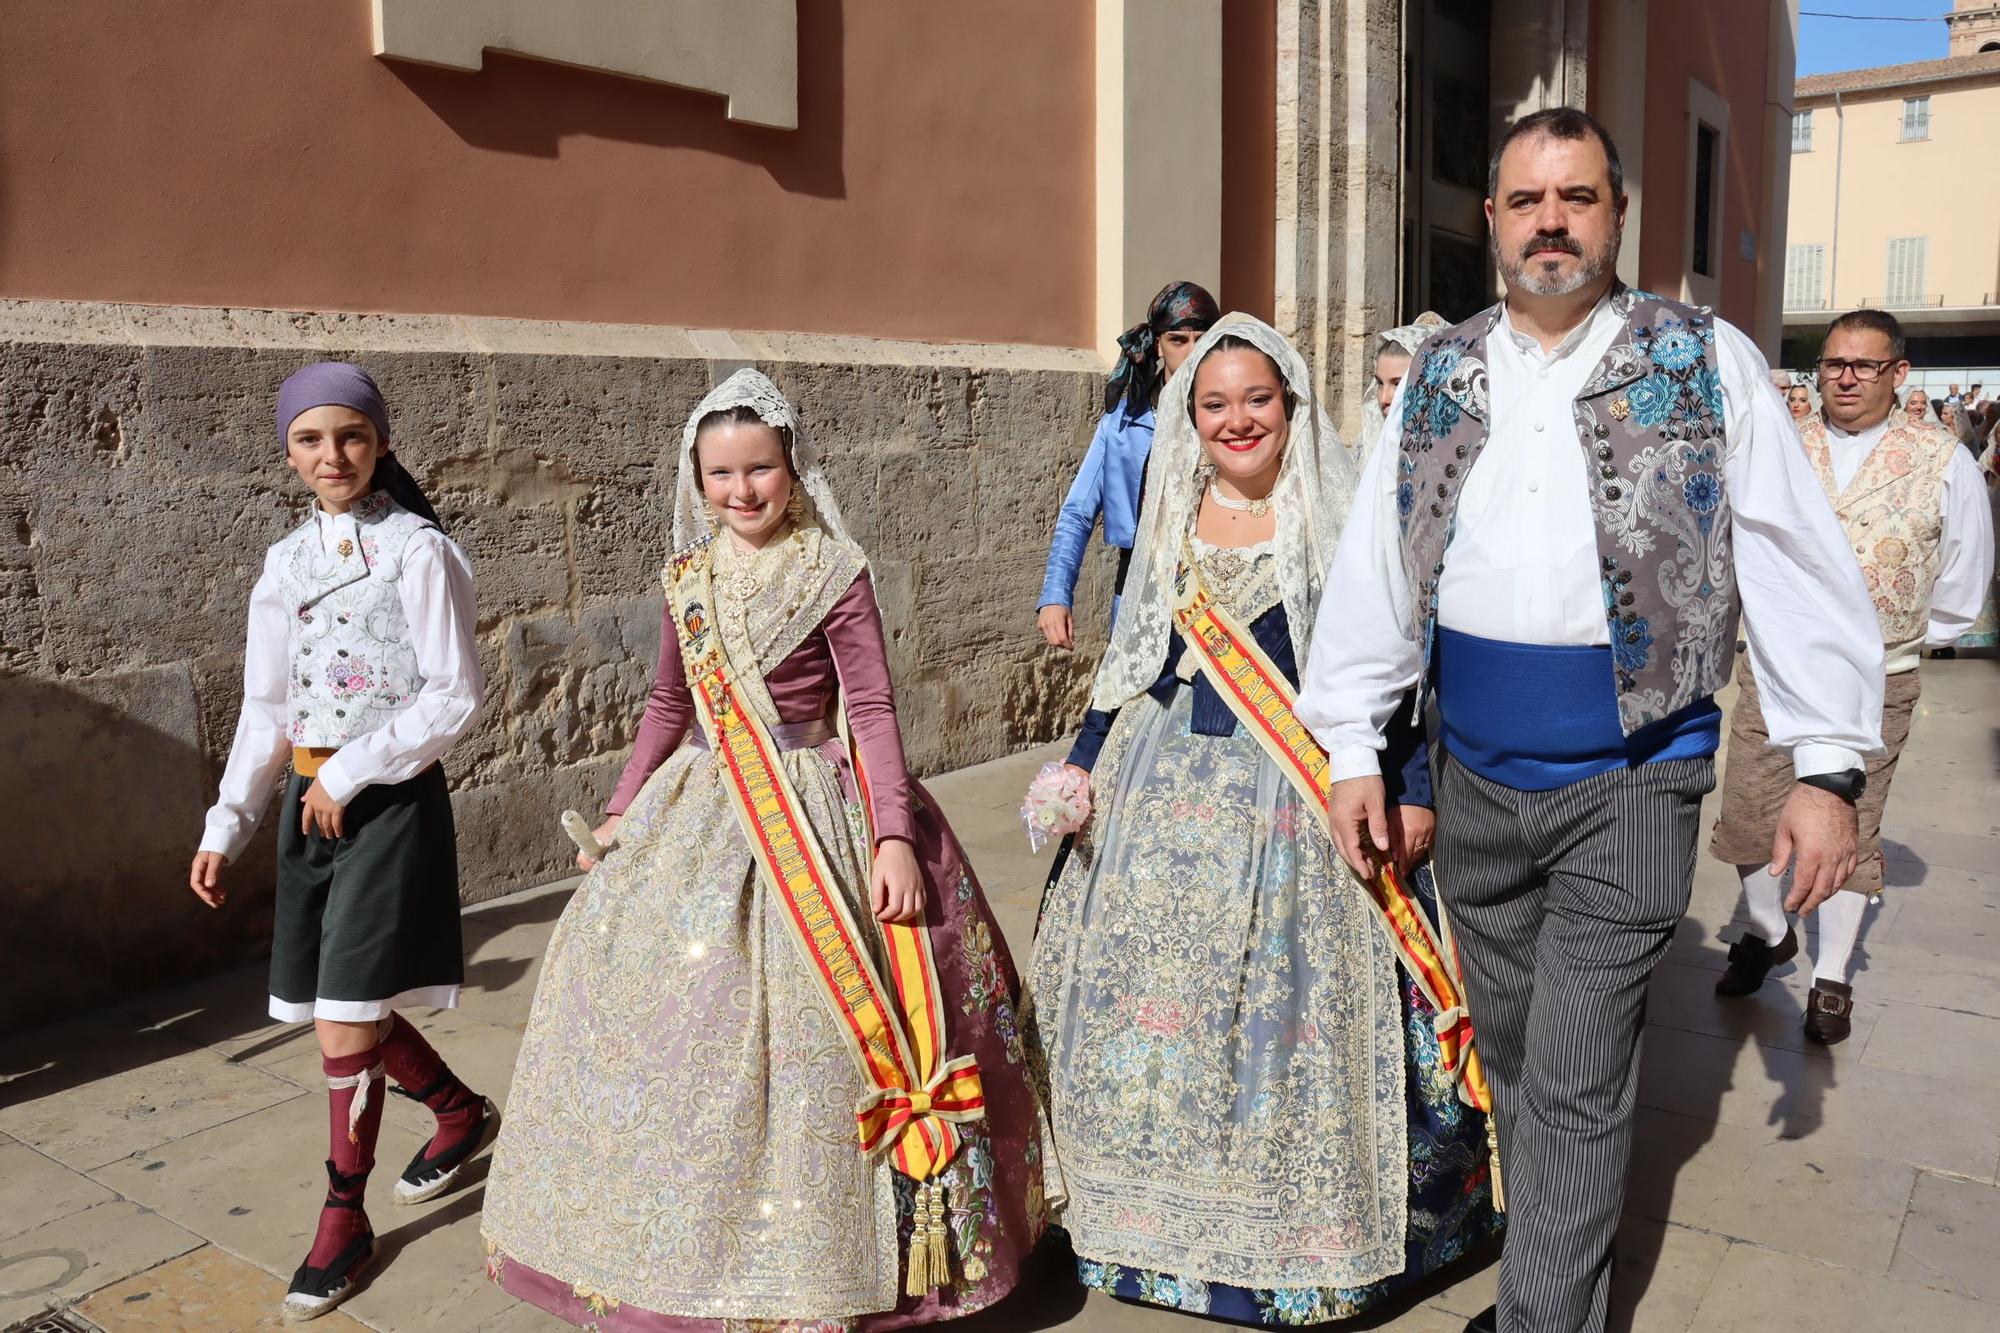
x=1248 y=1115
x=1451 y=1209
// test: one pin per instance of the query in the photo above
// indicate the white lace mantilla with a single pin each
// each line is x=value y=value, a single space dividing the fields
x=754 y=390
x=1314 y=490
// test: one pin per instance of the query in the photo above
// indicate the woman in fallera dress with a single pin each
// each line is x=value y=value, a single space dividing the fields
x=1394 y=349
x=769 y=1082
x=1250 y=1114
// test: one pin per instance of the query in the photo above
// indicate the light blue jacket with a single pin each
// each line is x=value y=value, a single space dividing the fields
x=1109 y=483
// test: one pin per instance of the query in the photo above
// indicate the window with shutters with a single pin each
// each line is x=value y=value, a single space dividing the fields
x=1805 y=277
x=1802 y=131
x=1916 y=118
x=1906 y=271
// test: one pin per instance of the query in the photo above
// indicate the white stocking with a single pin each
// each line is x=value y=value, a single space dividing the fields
x=1839 y=927
x=1764 y=895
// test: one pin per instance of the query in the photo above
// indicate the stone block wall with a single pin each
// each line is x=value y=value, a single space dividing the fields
x=140 y=483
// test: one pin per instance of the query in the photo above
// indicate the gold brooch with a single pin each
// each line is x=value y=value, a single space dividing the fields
x=1621 y=408
x=346 y=548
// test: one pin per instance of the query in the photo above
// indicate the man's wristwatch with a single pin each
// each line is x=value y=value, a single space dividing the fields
x=1847 y=784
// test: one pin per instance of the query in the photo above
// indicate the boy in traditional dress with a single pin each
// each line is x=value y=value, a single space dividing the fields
x=360 y=668
x=1113 y=474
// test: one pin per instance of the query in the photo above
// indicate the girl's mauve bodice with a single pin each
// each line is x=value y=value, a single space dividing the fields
x=846 y=650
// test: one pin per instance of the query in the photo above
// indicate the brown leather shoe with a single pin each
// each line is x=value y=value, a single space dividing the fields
x=1750 y=960
x=1829 y=1012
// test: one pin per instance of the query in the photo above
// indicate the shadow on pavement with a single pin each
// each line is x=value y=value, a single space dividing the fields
x=1700 y=1089
x=226 y=1012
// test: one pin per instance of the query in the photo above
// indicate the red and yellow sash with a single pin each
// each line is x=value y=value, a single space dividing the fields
x=916 y=1096
x=1262 y=700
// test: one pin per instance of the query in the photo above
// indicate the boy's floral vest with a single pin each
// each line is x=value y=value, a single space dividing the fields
x=354 y=664
x=1650 y=436
x=1890 y=512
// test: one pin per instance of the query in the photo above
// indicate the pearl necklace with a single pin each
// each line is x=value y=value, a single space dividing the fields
x=1254 y=508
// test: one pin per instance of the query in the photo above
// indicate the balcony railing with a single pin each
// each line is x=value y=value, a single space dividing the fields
x=1913 y=303
x=1986 y=301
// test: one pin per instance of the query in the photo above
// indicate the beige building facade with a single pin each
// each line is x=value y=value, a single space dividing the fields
x=1895 y=203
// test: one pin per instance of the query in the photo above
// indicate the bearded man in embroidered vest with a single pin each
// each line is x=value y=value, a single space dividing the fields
x=1915 y=508
x=1572 y=492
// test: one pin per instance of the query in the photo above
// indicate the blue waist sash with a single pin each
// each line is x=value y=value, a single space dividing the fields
x=1535 y=717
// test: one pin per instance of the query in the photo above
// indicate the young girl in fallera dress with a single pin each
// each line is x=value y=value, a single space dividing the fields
x=776 y=938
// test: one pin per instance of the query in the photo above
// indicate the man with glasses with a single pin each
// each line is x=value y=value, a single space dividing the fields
x=1915 y=511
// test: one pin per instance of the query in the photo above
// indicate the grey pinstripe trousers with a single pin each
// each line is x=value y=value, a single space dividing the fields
x=1563 y=902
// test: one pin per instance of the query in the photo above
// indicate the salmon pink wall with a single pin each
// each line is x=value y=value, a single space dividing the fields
x=1709 y=40
x=1249 y=156
x=244 y=152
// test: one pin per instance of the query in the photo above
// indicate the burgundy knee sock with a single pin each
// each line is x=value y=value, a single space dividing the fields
x=425 y=1077
x=355 y=1089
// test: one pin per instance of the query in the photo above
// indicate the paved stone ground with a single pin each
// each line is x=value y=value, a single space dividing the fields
x=159 y=1160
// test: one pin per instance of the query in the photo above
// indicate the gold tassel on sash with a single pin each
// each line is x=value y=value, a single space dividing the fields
x=930 y=1257
x=1493 y=1158
x=935 y=1240
x=919 y=1277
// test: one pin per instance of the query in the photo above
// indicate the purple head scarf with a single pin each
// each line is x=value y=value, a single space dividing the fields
x=342 y=384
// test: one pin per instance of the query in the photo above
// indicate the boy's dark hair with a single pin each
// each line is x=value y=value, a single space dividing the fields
x=1557 y=122
x=1877 y=321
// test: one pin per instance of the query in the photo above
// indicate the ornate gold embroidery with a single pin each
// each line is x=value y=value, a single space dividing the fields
x=681 y=1125
x=1243 y=578
x=796 y=582
x=1889 y=510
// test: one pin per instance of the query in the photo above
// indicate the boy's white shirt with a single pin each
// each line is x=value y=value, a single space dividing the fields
x=439 y=603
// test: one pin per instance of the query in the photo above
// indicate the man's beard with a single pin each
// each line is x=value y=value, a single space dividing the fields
x=1543 y=277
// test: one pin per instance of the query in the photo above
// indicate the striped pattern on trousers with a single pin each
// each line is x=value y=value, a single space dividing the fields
x=1563 y=902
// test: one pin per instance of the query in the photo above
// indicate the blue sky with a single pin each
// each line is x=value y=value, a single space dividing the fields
x=1828 y=45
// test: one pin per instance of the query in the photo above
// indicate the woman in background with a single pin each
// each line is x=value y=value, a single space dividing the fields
x=1393 y=350
x=1114 y=469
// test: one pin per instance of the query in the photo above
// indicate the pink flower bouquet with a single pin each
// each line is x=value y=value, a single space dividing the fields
x=1058 y=804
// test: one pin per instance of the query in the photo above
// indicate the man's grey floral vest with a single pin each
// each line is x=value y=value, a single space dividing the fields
x=1650 y=436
